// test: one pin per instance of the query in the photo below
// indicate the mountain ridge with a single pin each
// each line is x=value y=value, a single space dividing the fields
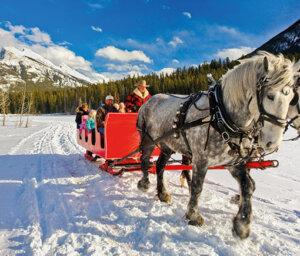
x=286 y=42
x=20 y=67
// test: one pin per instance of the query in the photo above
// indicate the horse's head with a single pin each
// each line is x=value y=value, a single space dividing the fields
x=278 y=76
x=266 y=90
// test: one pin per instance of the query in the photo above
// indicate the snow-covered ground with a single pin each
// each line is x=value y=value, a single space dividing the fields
x=55 y=202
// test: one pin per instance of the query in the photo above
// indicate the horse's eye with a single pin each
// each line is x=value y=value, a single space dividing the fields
x=286 y=90
x=270 y=97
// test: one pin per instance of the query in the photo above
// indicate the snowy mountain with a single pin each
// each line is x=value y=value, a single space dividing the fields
x=19 y=67
x=288 y=41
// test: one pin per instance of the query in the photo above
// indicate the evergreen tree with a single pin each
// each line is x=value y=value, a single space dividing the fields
x=66 y=100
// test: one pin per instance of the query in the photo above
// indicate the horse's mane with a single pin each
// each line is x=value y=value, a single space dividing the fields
x=239 y=82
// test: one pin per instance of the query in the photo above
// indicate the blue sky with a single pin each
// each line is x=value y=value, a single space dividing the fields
x=121 y=37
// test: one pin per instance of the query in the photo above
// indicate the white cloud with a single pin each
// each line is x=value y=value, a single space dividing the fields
x=221 y=31
x=40 y=42
x=113 y=53
x=234 y=53
x=59 y=54
x=126 y=67
x=225 y=29
x=37 y=36
x=15 y=29
x=95 y=5
x=187 y=14
x=65 y=43
x=97 y=29
x=154 y=46
x=34 y=35
x=7 y=38
x=175 y=61
x=166 y=71
x=176 y=40
x=136 y=44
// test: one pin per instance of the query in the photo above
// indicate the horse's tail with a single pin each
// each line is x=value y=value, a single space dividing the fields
x=140 y=122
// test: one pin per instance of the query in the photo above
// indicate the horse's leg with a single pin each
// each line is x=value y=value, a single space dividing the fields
x=164 y=156
x=236 y=198
x=199 y=172
x=147 y=149
x=185 y=174
x=241 y=222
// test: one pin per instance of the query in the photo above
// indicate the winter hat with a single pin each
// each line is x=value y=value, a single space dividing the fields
x=109 y=97
x=142 y=83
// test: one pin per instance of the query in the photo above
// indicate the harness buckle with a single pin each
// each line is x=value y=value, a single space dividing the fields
x=259 y=124
x=225 y=136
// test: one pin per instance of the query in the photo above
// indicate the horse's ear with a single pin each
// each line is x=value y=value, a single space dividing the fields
x=266 y=64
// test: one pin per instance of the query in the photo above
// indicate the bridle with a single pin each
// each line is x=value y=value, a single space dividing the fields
x=264 y=115
x=229 y=130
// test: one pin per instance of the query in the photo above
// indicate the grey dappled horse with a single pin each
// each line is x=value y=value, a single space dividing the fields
x=239 y=90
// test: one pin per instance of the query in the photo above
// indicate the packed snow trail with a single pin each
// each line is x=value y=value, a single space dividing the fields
x=55 y=202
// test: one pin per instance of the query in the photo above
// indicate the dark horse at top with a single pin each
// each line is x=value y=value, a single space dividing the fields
x=255 y=98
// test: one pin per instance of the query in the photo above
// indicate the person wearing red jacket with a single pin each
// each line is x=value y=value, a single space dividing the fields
x=138 y=97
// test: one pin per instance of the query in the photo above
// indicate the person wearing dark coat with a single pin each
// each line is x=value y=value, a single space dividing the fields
x=138 y=97
x=80 y=111
x=102 y=112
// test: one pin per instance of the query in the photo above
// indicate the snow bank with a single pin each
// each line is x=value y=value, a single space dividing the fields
x=54 y=202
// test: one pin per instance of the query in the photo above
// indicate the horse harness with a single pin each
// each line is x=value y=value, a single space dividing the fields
x=219 y=119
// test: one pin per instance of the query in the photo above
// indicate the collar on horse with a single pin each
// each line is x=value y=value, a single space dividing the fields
x=218 y=118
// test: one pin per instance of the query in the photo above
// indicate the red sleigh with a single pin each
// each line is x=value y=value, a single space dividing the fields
x=119 y=147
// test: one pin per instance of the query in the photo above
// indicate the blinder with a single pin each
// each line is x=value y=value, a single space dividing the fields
x=295 y=100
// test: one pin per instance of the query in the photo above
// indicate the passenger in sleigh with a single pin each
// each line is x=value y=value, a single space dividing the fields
x=102 y=112
x=90 y=125
x=80 y=111
x=83 y=127
x=138 y=97
x=122 y=108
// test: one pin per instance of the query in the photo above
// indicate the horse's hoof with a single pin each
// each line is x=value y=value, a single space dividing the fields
x=239 y=229
x=195 y=221
x=199 y=222
x=143 y=185
x=164 y=197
